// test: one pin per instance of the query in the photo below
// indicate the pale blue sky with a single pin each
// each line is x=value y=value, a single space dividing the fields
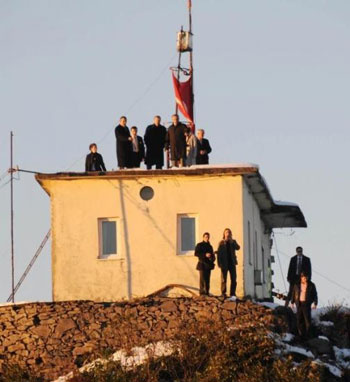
x=272 y=87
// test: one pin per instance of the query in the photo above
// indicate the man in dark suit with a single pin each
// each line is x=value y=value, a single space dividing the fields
x=138 y=148
x=298 y=264
x=94 y=160
x=203 y=148
x=123 y=138
x=176 y=141
x=155 y=136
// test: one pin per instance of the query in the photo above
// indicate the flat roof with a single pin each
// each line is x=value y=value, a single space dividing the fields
x=275 y=214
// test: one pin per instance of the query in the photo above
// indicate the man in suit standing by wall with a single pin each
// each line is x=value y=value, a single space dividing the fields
x=298 y=264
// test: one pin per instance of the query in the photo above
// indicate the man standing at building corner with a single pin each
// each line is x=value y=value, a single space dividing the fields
x=227 y=261
x=155 y=136
x=176 y=141
x=203 y=148
x=298 y=264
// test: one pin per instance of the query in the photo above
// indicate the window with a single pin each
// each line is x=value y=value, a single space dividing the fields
x=187 y=232
x=108 y=237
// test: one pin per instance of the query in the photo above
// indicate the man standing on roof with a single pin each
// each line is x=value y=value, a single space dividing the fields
x=94 y=160
x=155 y=136
x=298 y=264
x=176 y=141
x=138 y=148
x=203 y=148
x=124 y=147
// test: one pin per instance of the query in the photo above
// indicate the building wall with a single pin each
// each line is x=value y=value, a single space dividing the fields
x=256 y=248
x=147 y=232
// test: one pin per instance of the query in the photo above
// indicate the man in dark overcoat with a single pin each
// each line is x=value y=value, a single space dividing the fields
x=176 y=141
x=124 y=146
x=138 y=148
x=227 y=261
x=204 y=252
x=154 y=138
x=298 y=264
x=203 y=148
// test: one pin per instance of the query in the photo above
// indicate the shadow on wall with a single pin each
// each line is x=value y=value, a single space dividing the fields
x=124 y=194
x=126 y=239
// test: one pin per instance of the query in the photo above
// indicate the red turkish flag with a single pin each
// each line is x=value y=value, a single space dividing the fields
x=183 y=98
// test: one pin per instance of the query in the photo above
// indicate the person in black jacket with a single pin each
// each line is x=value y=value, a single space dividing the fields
x=176 y=141
x=227 y=261
x=298 y=263
x=304 y=296
x=203 y=148
x=154 y=138
x=206 y=258
x=124 y=147
x=138 y=148
x=94 y=160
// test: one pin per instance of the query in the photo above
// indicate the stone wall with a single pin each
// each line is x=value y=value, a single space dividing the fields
x=51 y=339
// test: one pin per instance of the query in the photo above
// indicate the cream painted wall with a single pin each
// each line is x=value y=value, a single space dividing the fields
x=252 y=214
x=147 y=232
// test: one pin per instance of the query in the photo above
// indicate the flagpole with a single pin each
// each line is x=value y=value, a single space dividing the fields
x=12 y=239
x=191 y=54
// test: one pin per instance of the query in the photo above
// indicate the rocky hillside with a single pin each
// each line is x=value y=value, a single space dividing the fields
x=168 y=339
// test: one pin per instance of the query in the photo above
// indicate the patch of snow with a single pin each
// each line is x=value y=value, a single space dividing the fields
x=282 y=203
x=287 y=337
x=137 y=356
x=333 y=369
x=324 y=338
x=270 y=305
x=342 y=356
x=297 y=349
x=232 y=298
x=325 y=323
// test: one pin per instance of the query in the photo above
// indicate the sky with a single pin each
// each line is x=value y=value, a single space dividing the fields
x=272 y=87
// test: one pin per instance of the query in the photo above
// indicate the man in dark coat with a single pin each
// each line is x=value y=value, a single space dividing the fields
x=298 y=263
x=204 y=252
x=304 y=296
x=138 y=148
x=203 y=148
x=155 y=136
x=227 y=261
x=124 y=147
x=176 y=140
x=94 y=160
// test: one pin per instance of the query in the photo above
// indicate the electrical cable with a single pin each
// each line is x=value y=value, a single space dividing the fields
x=279 y=262
x=322 y=275
x=129 y=109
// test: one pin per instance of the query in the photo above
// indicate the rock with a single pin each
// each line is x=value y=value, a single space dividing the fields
x=169 y=306
x=320 y=346
x=64 y=325
x=229 y=305
x=15 y=347
x=42 y=330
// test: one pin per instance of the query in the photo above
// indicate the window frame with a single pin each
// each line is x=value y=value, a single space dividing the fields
x=112 y=256
x=179 y=237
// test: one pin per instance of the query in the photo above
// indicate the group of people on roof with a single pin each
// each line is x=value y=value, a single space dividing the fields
x=178 y=141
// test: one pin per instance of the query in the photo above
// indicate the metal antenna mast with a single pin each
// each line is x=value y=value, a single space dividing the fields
x=12 y=236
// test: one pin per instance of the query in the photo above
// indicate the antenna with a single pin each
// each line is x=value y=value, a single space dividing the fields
x=12 y=235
